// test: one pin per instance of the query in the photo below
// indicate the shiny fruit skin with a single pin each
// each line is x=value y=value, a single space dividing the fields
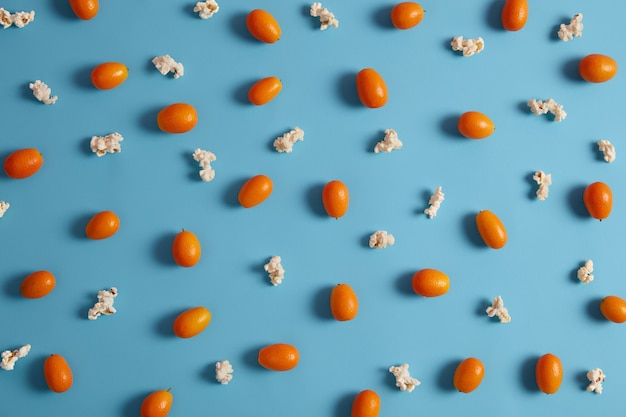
x=598 y=199
x=406 y=15
x=468 y=375
x=263 y=26
x=597 y=68
x=475 y=125
x=366 y=404
x=514 y=14
x=108 y=75
x=613 y=308
x=57 y=373
x=264 y=90
x=335 y=198
x=491 y=229
x=23 y=163
x=430 y=282
x=255 y=191
x=344 y=304
x=38 y=284
x=85 y=9
x=177 y=118
x=156 y=404
x=549 y=373
x=102 y=225
x=279 y=357
x=191 y=322
x=186 y=249
x=371 y=88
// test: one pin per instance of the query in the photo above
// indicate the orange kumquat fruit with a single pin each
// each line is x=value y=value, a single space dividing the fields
x=491 y=229
x=57 y=373
x=344 y=304
x=597 y=68
x=406 y=15
x=514 y=14
x=263 y=26
x=23 y=163
x=598 y=199
x=613 y=308
x=37 y=284
x=255 y=191
x=279 y=357
x=191 y=322
x=366 y=404
x=335 y=198
x=102 y=225
x=468 y=375
x=549 y=373
x=186 y=249
x=156 y=404
x=371 y=88
x=177 y=118
x=264 y=90
x=430 y=282
x=108 y=75
x=85 y=9
x=475 y=125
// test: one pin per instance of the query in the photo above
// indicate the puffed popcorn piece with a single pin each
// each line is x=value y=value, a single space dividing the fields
x=326 y=17
x=19 y=19
x=389 y=143
x=435 y=202
x=223 y=372
x=544 y=181
x=497 y=309
x=539 y=107
x=607 y=148
x=469 y=47
x=285 y=142
x=275 y=270
x=571 y=30
x=104 y=304
x=9 y=357
x=166 y=64
x=101 y=145
x=404 y=380
x=381 y=239
x=596 y=377
x=206 y=9
x=42 y=92
x=204 y=159
x=584 y=273
x=4 y=206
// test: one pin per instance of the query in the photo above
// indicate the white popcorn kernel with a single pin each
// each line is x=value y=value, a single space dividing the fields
x=206 y=9
x=9 y=357
x=326 y=17
x=166 y=64
x=204 y=159
x=285 y=142
x=571 y=30
x=101 y=145
x=544 y=181
x=498 y=309
x=381 y=239
x=596 y=377
x=42 y=92
x=539 y=107
x=4 y=206
x=275 y=270
x=389 y=143
x=104 y=304
x=223 y=372
x=607 y=149
x=404 y=380
x=19 y=19
x=469 y=47
x=434 y=203
x=584 y=273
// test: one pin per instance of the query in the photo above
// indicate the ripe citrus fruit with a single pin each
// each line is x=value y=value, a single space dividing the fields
x=475 y=125
x=156 y=404
x=335 y=198
x=102 y=225
x=255 y=191
x=468 y=375
x=597 y=68
x=366 y=404
x=344 y=304
x=549 y=373
x=186 y=249
x=598 y=199
x=279 y=357
x=177 y=118
x=38 y=284
x=613 y=308
x=263 y=26
x=514 y=14
x=371 y=88
x=406 y=15
x=191 y=322
x=57 y=373
x=23 y=163
x=109 y=75
x=84 y=9
x=491 y=229
x=264 y=90
x=430 y=282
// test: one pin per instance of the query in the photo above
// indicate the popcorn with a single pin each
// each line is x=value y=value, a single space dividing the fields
x=435 y=202
x=497 y=309
x=275 y=270
x=389 y=142
x=42 y=92
x=9 y=357
x=19 y=19
x=206 y=9
x=223 y=372
x=104 y=304
x=286 y=141
x=469 y=47
x=204 y=158
x=166 y=64
x=584 y=273
x=101 y=145
x=4 y=206
x=381 y=239
x=326 y=17
x=607 y=149
x=404 y=380
x=596 y=378
x=544 y=181
x=539 y=107
x=573 y=29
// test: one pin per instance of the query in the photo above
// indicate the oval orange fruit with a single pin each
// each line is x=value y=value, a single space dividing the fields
x=475 y=125
x=23 y=163
x=406 y=15
x=177 y=118
x=108 y=75
x=491 y=229
x=255 y=191
x=102 y=225
x=264 y=90
x=344 y=304
x=186 y=249
x=598 y=199
x=335 y=198
x=57 y=373
x=191 y=322
x=156 y=404
x=371 y=88
x=468 y=375
x=263 y=26
x=597 y=68
x=85 y=9
x=549 y=373
x=613 y=308
x=37 y=284
x=366 y=404
x=430 y=282
x=514 y=14
x=279 y=357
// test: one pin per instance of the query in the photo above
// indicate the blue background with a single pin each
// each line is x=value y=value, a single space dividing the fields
x=153 y=185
